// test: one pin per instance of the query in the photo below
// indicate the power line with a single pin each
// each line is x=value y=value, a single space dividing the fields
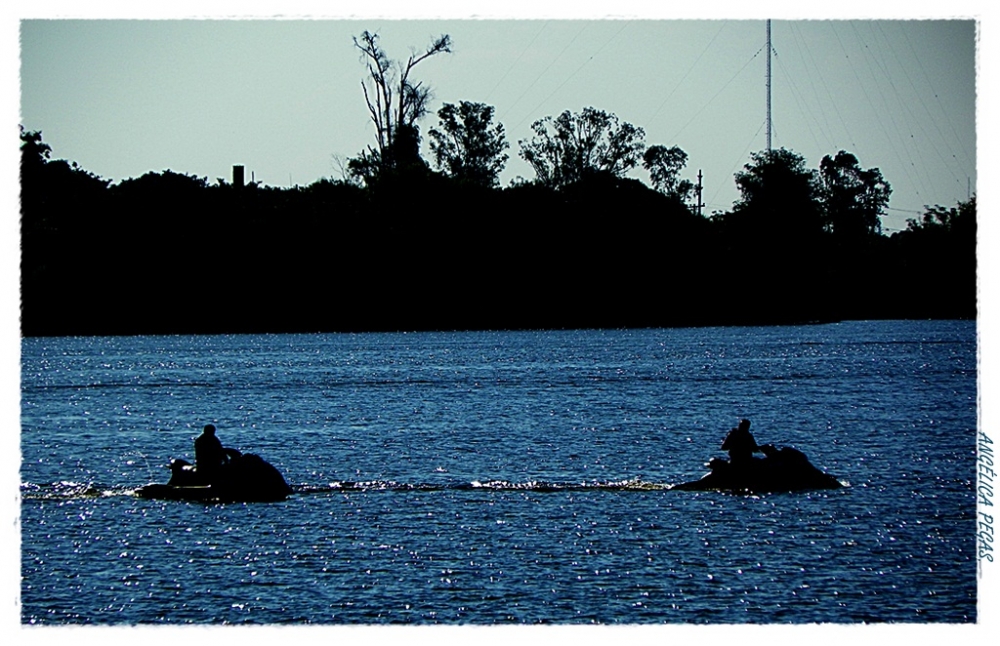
x=686 y=74
x=584 y=64
x=549 y=66
x=517 y=60
x=716 y=95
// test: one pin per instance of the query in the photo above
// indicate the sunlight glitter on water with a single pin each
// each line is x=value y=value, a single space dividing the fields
x=503 y=477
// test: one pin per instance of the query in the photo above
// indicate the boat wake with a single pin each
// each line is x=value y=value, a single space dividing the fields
x=635 y=484
x=66 y=490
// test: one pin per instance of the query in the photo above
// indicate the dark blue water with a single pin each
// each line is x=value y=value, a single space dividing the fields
x=504 y=477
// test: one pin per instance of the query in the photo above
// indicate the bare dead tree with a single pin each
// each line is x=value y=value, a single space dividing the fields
x=395 y=101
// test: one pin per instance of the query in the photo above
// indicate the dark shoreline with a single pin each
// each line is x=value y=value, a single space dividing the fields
x=171 y=254
x=390 y=330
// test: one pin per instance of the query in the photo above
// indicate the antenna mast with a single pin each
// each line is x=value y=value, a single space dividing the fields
x=769 y=85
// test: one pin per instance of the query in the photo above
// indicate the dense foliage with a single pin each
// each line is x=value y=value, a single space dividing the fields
x=572 y=147
x=398 y=245
x=172 y=253
x=469 y=146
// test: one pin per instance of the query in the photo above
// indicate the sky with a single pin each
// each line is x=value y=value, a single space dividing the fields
x=283 y=97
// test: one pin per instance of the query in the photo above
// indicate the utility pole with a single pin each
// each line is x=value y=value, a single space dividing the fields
x=699 y=205
x=769 y=85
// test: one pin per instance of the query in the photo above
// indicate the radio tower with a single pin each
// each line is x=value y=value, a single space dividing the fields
x=769 y=86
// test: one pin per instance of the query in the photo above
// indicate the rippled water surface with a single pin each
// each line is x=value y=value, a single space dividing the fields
x=503 y=477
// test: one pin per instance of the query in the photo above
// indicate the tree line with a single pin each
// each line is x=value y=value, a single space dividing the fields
x=402 y=243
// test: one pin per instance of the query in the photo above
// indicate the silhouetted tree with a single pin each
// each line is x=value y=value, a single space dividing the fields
x=34 y=152
x=566 y=149
x=664 y=164
x=64 y=235
x=773 y=265
x=853 y=198
x=395 y=103
x=402 y=158
x=53 y=191
x=164 y=184
x=960 y=219
x=169 y=253
x=365 y=167
x=34 y=158
x=468 y=147
x=779 y=195
x=937 y=254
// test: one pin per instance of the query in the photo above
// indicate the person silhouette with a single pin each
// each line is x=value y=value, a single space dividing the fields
x=209 y=455
x=740 y=444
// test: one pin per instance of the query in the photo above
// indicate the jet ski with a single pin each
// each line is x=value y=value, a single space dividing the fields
x=784 y=469
x=243 y=477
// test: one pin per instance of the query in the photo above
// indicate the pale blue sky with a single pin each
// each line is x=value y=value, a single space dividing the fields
x=283 y=97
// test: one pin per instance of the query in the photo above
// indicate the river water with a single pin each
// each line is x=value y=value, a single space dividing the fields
x=503 y=477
